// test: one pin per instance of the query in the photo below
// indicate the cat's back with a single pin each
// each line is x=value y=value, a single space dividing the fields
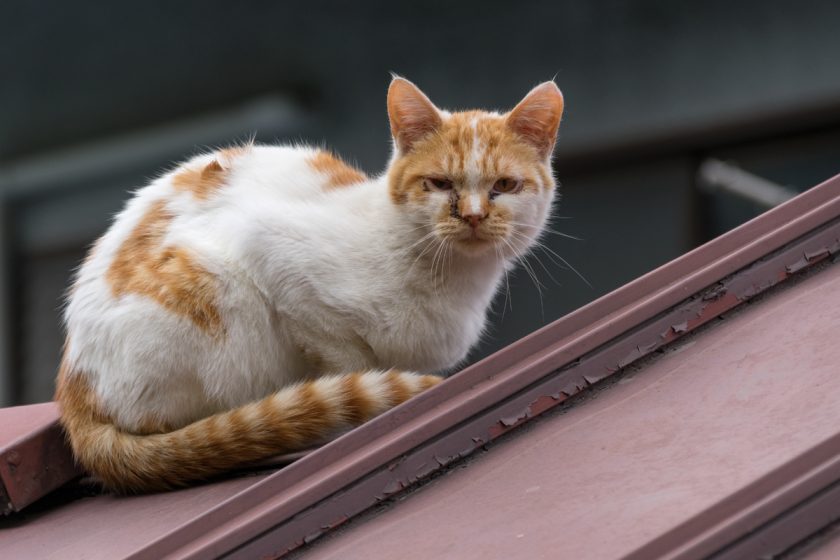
x=288 y=171
x=281 y=171
x=166 y=276
x=199 y=199
x=187 y=219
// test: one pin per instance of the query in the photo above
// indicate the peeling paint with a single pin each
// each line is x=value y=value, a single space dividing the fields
x=714 y=293
x=593 y=379
x=514 y=420
x=818 y=254
x=425 y=470
x=680 y=328
x=394 y=486
x=443 y=461
x=634 y=355
x=312 y=536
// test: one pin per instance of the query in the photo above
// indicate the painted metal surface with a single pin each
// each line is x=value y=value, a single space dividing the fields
x=271 y=515
x=108 y=527
x=34 y=459
x=828 y=549
x=692 y=443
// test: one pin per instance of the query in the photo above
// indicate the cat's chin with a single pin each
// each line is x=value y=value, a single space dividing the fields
x=474 y=247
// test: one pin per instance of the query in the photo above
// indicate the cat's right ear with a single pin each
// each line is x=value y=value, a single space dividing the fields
x=537 y=117
x=411 y=113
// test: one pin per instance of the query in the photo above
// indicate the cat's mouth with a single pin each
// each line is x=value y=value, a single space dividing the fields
x=471 y=240
x=475 y=240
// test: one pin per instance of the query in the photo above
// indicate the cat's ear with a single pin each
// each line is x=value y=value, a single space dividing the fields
x=537 y=117
x=411 y=113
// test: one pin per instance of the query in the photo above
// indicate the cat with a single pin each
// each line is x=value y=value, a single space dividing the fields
x=217 y=321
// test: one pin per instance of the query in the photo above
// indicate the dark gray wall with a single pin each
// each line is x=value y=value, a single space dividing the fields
x=98 y=96
x=75 y=71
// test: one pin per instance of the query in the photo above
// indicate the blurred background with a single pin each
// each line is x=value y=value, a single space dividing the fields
x=683 y=120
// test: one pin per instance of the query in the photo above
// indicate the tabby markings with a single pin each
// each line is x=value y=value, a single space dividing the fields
x=293 y=418
x=168 y=275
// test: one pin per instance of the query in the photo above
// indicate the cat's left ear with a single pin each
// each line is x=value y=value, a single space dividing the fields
x=411 y=113
x=537 y=117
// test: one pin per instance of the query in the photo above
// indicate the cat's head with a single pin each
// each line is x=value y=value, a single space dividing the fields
x=479 y=180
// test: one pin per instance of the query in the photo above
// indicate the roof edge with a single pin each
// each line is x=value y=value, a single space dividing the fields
x=36 y=459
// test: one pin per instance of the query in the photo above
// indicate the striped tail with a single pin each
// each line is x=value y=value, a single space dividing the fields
x=289 y=420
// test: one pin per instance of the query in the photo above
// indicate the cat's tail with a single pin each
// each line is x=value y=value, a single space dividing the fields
x=292 y=419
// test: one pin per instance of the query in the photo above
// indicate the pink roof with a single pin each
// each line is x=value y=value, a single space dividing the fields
x=110 y=527
x=628 y=473
x=269 y=515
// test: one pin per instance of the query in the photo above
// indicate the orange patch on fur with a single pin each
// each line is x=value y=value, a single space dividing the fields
x=167 y=275
x=227 y=155
x=203 y=182
x=357 y=405
x=312 y=413
x=315 y=362
x=73 y=391
x=429 y=381
x=398 y=391
x=338 y=173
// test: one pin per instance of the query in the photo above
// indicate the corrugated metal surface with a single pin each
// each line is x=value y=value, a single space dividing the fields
x=666 y=446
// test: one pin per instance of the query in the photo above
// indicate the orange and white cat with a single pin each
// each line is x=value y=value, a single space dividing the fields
x=260 y=299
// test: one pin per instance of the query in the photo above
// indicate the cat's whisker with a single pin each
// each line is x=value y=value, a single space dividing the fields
x=428 y=246
x=546 y=248
x=508 y=296
x=451 y=250
x=530 y=271
x=435 y=279
x=548 y=272
x=418 y=242
x=553 y=257
x=421 y=226
x=548 y=230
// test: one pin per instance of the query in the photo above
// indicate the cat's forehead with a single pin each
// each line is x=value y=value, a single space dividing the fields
x=471 y=126
x=479 y=143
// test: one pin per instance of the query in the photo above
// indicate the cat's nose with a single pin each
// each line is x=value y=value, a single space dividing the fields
x=472 y=208
x=474 y=219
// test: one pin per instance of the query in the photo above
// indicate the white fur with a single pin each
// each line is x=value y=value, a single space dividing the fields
x=298 y=266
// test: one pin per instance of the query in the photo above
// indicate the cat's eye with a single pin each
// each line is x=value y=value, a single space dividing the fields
x=507 y=186
x=439 y=184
